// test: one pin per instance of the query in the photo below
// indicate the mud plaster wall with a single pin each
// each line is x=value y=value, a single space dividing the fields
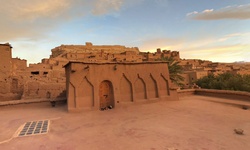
x=5 y=61
x=19 y=64
x=130 y=82
x=37 y=90
x=5 y=68
x=228 y=94
x=238 y=95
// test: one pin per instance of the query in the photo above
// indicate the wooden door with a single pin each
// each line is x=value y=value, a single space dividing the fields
x=106 y=95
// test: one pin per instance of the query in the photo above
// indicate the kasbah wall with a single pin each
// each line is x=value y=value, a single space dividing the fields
x=107 y=85
x=46 y=80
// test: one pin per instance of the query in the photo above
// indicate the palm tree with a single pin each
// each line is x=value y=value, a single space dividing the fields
x=175 y=70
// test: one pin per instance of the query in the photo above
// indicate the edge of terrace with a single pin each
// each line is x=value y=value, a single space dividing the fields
x=238 y=95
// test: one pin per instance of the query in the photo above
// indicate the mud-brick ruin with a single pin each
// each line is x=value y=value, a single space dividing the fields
x=47 y=79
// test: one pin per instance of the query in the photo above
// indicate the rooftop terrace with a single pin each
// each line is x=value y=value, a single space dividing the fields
x=193 y=122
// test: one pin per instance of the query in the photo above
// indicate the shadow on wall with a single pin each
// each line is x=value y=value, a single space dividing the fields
x=62 y=95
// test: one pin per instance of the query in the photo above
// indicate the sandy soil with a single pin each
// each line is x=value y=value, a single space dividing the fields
x=192 y=123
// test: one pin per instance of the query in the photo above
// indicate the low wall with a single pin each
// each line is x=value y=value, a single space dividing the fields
x=239 y=95
x=187 y=92
x=17 y=102
x=9 y=96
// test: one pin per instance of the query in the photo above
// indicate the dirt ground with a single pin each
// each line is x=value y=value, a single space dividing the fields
x=192 y=123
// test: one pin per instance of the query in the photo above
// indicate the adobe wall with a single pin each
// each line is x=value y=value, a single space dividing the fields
x=186 y=92
x=43 y=83
x=159 y=54
x=132 y=82
x=90 y=48
x=237 y=95
x=48 y=90
x=18 y=64
x=5 y=71
x=5 y=85
x=5 y=60
x=191 y=76
x=46 y=80
x=11 y=89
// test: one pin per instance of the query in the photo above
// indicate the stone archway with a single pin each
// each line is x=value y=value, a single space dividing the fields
x=106 y=95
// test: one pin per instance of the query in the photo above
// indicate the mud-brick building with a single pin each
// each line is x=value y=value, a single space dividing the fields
x=10 y=82
x=6 y=56
x=99 y=85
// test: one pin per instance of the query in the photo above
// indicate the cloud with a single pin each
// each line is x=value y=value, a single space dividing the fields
x=104 y=6
x=34 y=19
x=205 y=48
x=235 y=48
x=226 y=37
x=240 y=12
x=242 y=37
x=192 y=13
x=222 y=53
x=26 y=10
x=208 y=10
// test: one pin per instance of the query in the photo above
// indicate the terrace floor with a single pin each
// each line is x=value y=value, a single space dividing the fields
x=192 y=123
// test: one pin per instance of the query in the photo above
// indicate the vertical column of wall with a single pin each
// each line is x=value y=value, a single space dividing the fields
x=71 y=97
x=5 y=68
x=140 y=89
x=152 y=87
x=126 y=90
x=5 y=60
x=85 y=98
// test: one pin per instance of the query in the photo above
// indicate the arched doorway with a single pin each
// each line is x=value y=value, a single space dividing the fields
x=106 y=95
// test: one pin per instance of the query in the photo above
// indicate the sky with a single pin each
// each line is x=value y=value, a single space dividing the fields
x=215 y=30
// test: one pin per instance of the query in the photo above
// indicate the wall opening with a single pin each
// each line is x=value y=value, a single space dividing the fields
x=35 y=72
x=106 y=95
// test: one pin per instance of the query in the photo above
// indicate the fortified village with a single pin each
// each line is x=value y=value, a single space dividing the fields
x=102 y=72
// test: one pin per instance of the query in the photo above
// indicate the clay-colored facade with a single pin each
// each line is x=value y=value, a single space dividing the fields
x=96 y=53
x=99 y=85
x=159 y=54
x=46 y=80
x=10 y=82
x=5 y=59
x=194 y=69
x=191 y=76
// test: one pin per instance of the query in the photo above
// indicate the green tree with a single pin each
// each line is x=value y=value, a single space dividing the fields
x=207 y=82
x=175 y=70
x=225 y=81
